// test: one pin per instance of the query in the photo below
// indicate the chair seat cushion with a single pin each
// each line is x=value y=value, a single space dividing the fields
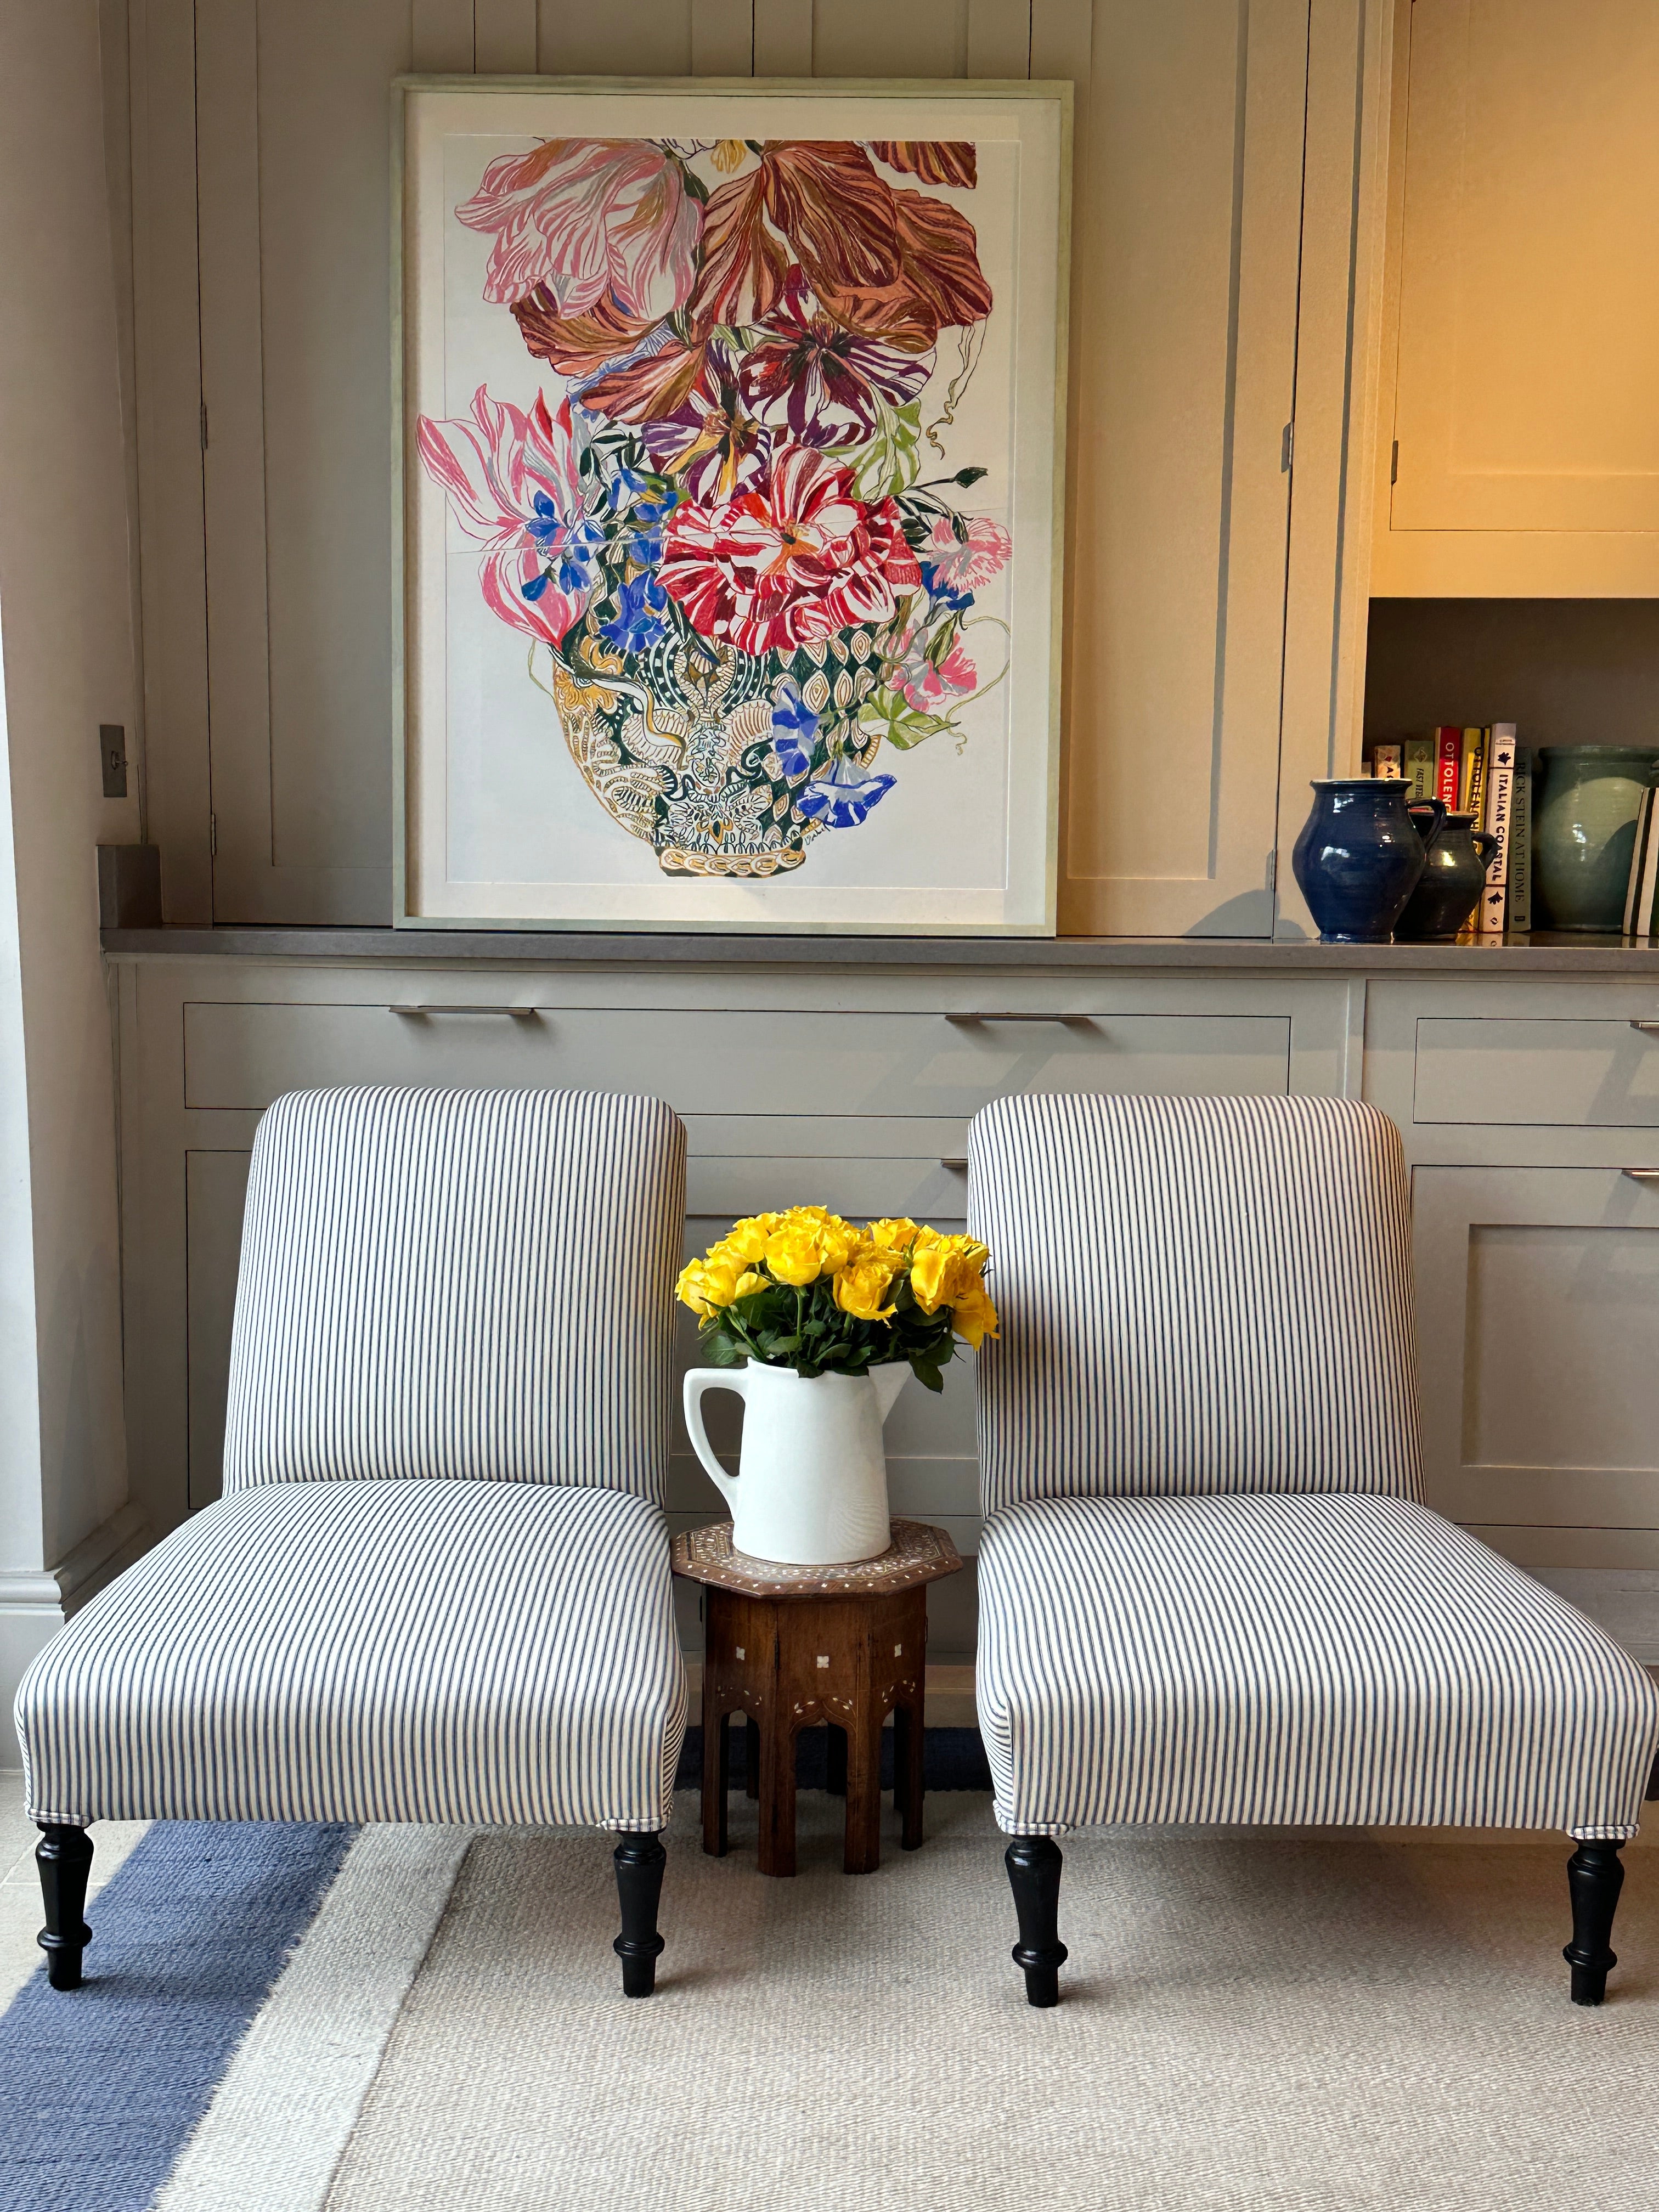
x=1341 y=1659
x=485 y=1653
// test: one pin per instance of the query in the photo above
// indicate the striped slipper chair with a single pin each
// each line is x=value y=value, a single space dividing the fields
x=437 y=1586
x=1209 y=1589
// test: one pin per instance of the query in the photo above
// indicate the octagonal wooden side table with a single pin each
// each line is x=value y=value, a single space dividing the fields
x=790 y=1646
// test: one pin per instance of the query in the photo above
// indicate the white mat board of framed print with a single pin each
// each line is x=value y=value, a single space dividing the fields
x=730 y=503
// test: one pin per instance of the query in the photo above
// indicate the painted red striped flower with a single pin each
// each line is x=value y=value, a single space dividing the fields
x=773 y=569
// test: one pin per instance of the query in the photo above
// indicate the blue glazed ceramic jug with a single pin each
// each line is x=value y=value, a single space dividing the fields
x=1359 y=857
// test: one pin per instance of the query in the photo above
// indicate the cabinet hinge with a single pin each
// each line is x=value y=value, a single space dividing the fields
x=1394 y=464
x=1286 y=447
x=213 y=836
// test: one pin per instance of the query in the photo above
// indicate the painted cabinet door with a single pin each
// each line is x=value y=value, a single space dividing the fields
x=293 y=223
x=1186 y=225
x=1528 y=272
x=1537 y=1293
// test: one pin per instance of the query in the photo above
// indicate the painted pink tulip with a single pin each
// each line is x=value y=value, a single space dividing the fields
x=594 y=220
x=512 y=481
x=963 y=564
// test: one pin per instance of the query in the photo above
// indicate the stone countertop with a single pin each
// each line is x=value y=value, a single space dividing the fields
x=1560 y=955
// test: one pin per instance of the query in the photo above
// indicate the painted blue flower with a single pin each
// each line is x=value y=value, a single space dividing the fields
x=941 y=593
x=844 y=797
x=638 y=622
x=795 y=733
x=576 y=553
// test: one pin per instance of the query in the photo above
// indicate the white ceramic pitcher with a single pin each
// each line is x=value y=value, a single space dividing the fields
x=811 y=1489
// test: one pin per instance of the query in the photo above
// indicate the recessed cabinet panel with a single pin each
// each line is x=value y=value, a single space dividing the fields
x=1528 y=305
x=710 y=1061
x=1593 y=1074
x=1538 y=1314
x=1187 y=226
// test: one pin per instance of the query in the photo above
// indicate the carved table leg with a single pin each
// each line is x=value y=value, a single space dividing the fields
x=639 y=1861
x=862 y=1851
x=909 y=1743
x=63 y=1856
x=1595 y=1878
x=777 y=1796
x=716 y=1777
x=1034 y=1866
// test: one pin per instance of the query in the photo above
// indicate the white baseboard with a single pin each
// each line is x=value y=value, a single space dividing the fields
x=34 y=1603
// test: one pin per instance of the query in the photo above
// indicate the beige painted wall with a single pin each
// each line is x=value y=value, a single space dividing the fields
x=66 y=629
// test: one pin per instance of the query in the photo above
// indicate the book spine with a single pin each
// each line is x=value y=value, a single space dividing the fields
x=1449 y=761
x=1417 y=765
x=1386 y=760
x=1500 y=796
x=1472 y=781
x=1520 y=852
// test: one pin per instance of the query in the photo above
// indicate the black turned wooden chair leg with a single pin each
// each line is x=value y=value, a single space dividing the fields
x=1034 y=1867
x=638 y=1861
x=64 y=1858
x=1595 y=1877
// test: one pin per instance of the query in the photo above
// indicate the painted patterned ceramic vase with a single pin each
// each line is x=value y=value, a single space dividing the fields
x=703 y=760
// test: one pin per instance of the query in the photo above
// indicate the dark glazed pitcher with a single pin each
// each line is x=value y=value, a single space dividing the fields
x=1359 y=857
x=1454 y=876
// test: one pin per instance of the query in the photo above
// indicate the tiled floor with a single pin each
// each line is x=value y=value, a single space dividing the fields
x=20 y=1884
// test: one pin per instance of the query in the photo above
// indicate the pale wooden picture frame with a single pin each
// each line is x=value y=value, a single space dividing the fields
x=728 y=492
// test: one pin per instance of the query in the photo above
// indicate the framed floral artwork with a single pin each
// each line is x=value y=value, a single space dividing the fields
x=728 y=525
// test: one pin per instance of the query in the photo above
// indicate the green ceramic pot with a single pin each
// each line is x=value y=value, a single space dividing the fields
x=1584 y=831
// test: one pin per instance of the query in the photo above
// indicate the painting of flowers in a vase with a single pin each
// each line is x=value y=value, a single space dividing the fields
x=730 y=507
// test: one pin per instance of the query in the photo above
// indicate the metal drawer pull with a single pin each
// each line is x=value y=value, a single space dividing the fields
x=1006 y=1017
x=962 y=1164
x=1641 y=1175
x=1647 y=1029
x=516 y=1013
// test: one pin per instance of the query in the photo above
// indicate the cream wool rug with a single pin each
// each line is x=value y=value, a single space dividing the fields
x=1302 y=2025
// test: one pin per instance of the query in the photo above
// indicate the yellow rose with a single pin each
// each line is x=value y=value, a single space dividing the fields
x=748 y=1283
x=899 y=1235
x=707 y=1284
x=932 y=1276
x=861 y=1288
x=973 y=1318
x=746 y=1240
x=792 y=1256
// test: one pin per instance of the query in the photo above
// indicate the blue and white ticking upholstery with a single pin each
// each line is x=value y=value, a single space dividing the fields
x=438 y=1586
x=1208 y=1589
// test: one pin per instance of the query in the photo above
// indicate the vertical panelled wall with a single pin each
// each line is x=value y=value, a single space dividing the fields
x=260 y=152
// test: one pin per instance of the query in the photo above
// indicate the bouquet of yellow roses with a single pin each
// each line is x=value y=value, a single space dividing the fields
x=806 y=1289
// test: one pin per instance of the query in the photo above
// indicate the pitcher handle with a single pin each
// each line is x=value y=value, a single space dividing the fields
x=1485 y=845
x=697 y=1380
x=1436 y=809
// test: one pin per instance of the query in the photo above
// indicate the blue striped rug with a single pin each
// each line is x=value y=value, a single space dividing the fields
x=100 y=2088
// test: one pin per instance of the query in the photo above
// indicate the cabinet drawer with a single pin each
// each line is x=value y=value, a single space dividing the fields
x=1568 y=1073
x=718 y=1061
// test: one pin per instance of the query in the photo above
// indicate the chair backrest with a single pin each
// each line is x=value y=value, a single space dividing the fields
x=459 y=1283
x=1197 y=1295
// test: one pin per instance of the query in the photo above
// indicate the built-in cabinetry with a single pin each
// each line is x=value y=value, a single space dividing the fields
x=1518 y=452
x=1217 y=342
x=1520 y=1086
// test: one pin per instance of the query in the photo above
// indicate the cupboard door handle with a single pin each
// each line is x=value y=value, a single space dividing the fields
x=1005 y=1017
x=961 y=1163
x=514 y=1013
x=1647 y=1029
x=1641 y=1175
